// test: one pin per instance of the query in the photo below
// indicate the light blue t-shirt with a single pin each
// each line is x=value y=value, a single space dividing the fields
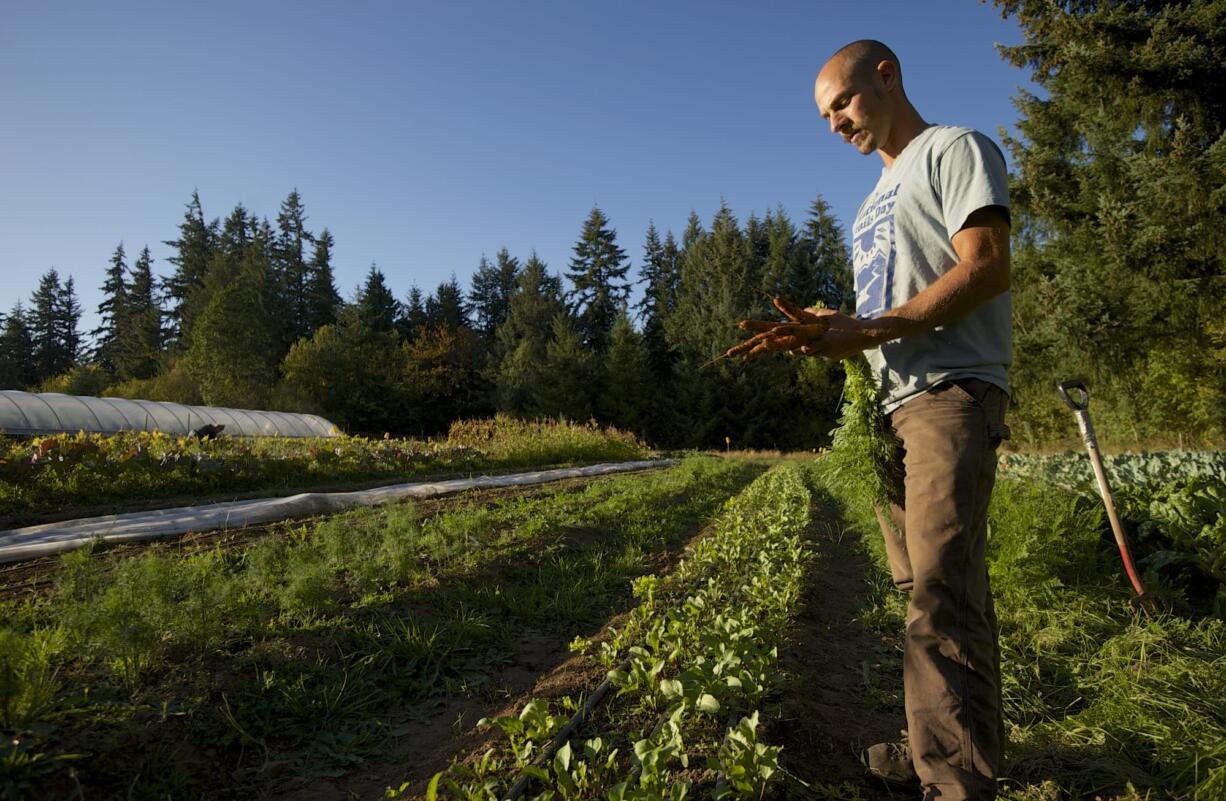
x=901 y=244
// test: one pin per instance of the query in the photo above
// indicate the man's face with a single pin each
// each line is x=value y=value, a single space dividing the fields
x=855 y=106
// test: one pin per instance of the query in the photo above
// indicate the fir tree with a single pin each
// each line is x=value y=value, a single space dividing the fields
x=446 y=307
x=493 y=286
x=598 y=274
x=53 y=320
x=628 y=387
x=234 y=355
x=114 y=314
x=523 y=338
x=17 y=363
x=570 y=373
x=293 y=273
x=323 y=302
x=1120 y=247
x=140 y=348
x=192 y=259
x=829 y=259
x=414 y=318
x=376 y=306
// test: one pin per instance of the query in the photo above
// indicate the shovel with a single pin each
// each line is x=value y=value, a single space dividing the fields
x=1077 y=397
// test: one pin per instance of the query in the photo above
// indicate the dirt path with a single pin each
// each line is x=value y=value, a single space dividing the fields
x=843 y=685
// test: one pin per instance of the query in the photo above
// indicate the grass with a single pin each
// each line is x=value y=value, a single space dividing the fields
x=1101 y=702
x=64 y=472
x=171 y=672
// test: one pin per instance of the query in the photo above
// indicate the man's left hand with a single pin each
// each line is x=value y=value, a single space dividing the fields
x=845 y=337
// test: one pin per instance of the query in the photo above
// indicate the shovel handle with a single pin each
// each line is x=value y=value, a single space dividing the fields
x=1075 y=385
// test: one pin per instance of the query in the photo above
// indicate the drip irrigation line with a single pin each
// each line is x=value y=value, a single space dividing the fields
x=655 y=730
x=721 y=778
x=564 y=735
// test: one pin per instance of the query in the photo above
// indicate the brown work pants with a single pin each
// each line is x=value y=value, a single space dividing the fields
x=951 y=660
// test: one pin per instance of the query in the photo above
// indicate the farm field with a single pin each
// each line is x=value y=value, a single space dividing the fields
x=741 y=616
x=87 y=474
x=325 y=646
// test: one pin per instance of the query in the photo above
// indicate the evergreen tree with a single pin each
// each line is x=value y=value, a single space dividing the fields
x=234 y=352
x=293 y=273
x=598 y=274
x=140 y=348
x=446 y=307
x=829 y=259
x=660 y=277
x=53 y=320
x=17 y=362
x=323 y=302
x=376 y=306
x=68 y=318
x=414 y=318
x=493 y=286
x=522 y=340
x=570 y=374
x=113 y=313
x=1118 y=210
x=192 y=259
x=534 y=305
x=628 y=387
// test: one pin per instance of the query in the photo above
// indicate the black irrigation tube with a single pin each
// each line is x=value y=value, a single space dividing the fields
x=564 y=735
x=560 y=739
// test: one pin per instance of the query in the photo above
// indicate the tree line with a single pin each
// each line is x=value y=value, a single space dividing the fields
x=250 y=317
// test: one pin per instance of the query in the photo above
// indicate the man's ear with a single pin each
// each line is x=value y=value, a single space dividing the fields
x=888 y=71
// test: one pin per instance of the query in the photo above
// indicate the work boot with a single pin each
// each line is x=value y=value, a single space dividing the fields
x=891 y=762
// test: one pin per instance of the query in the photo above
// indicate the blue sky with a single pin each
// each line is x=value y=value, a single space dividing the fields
x=424 y=135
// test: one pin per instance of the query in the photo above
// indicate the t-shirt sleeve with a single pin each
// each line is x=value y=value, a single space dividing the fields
x=970 y=175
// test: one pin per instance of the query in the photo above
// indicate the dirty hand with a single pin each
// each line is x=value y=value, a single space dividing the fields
x=804 y=329
x=845 y=336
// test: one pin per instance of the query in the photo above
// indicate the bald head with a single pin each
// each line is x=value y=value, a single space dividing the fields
x=860 y=59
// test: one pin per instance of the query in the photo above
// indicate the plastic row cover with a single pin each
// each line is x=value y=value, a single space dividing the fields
x=26 y=413
x=49 y=538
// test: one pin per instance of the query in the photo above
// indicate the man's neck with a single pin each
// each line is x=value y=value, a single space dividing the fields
x=907 y=126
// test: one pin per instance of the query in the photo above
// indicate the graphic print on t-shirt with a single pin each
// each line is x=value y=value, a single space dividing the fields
x=873 y=254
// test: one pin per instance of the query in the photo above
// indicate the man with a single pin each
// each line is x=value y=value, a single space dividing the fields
x=931 y=255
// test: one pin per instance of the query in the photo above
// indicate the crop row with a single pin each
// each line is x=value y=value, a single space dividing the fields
x=51 y=473
x=1144 y=469
x=1172 y=504
x=288 y=647
x=696 y=656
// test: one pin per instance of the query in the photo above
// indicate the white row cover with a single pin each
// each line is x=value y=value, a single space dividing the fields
x=34 y=541
x=27 y=413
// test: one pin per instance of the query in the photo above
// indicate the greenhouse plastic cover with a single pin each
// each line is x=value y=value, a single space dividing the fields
x=27 y=413
x=49 y=538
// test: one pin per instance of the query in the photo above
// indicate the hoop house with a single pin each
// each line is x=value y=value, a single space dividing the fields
x=27 y=413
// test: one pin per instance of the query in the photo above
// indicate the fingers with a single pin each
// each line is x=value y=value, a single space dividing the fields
x=794 y=312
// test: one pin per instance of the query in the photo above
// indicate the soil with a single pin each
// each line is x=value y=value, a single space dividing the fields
x=843 y=682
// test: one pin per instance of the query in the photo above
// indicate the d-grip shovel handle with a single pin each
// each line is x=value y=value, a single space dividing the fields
x=1082 y=402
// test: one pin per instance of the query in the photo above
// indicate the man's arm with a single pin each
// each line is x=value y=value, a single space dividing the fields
x=982 y=273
